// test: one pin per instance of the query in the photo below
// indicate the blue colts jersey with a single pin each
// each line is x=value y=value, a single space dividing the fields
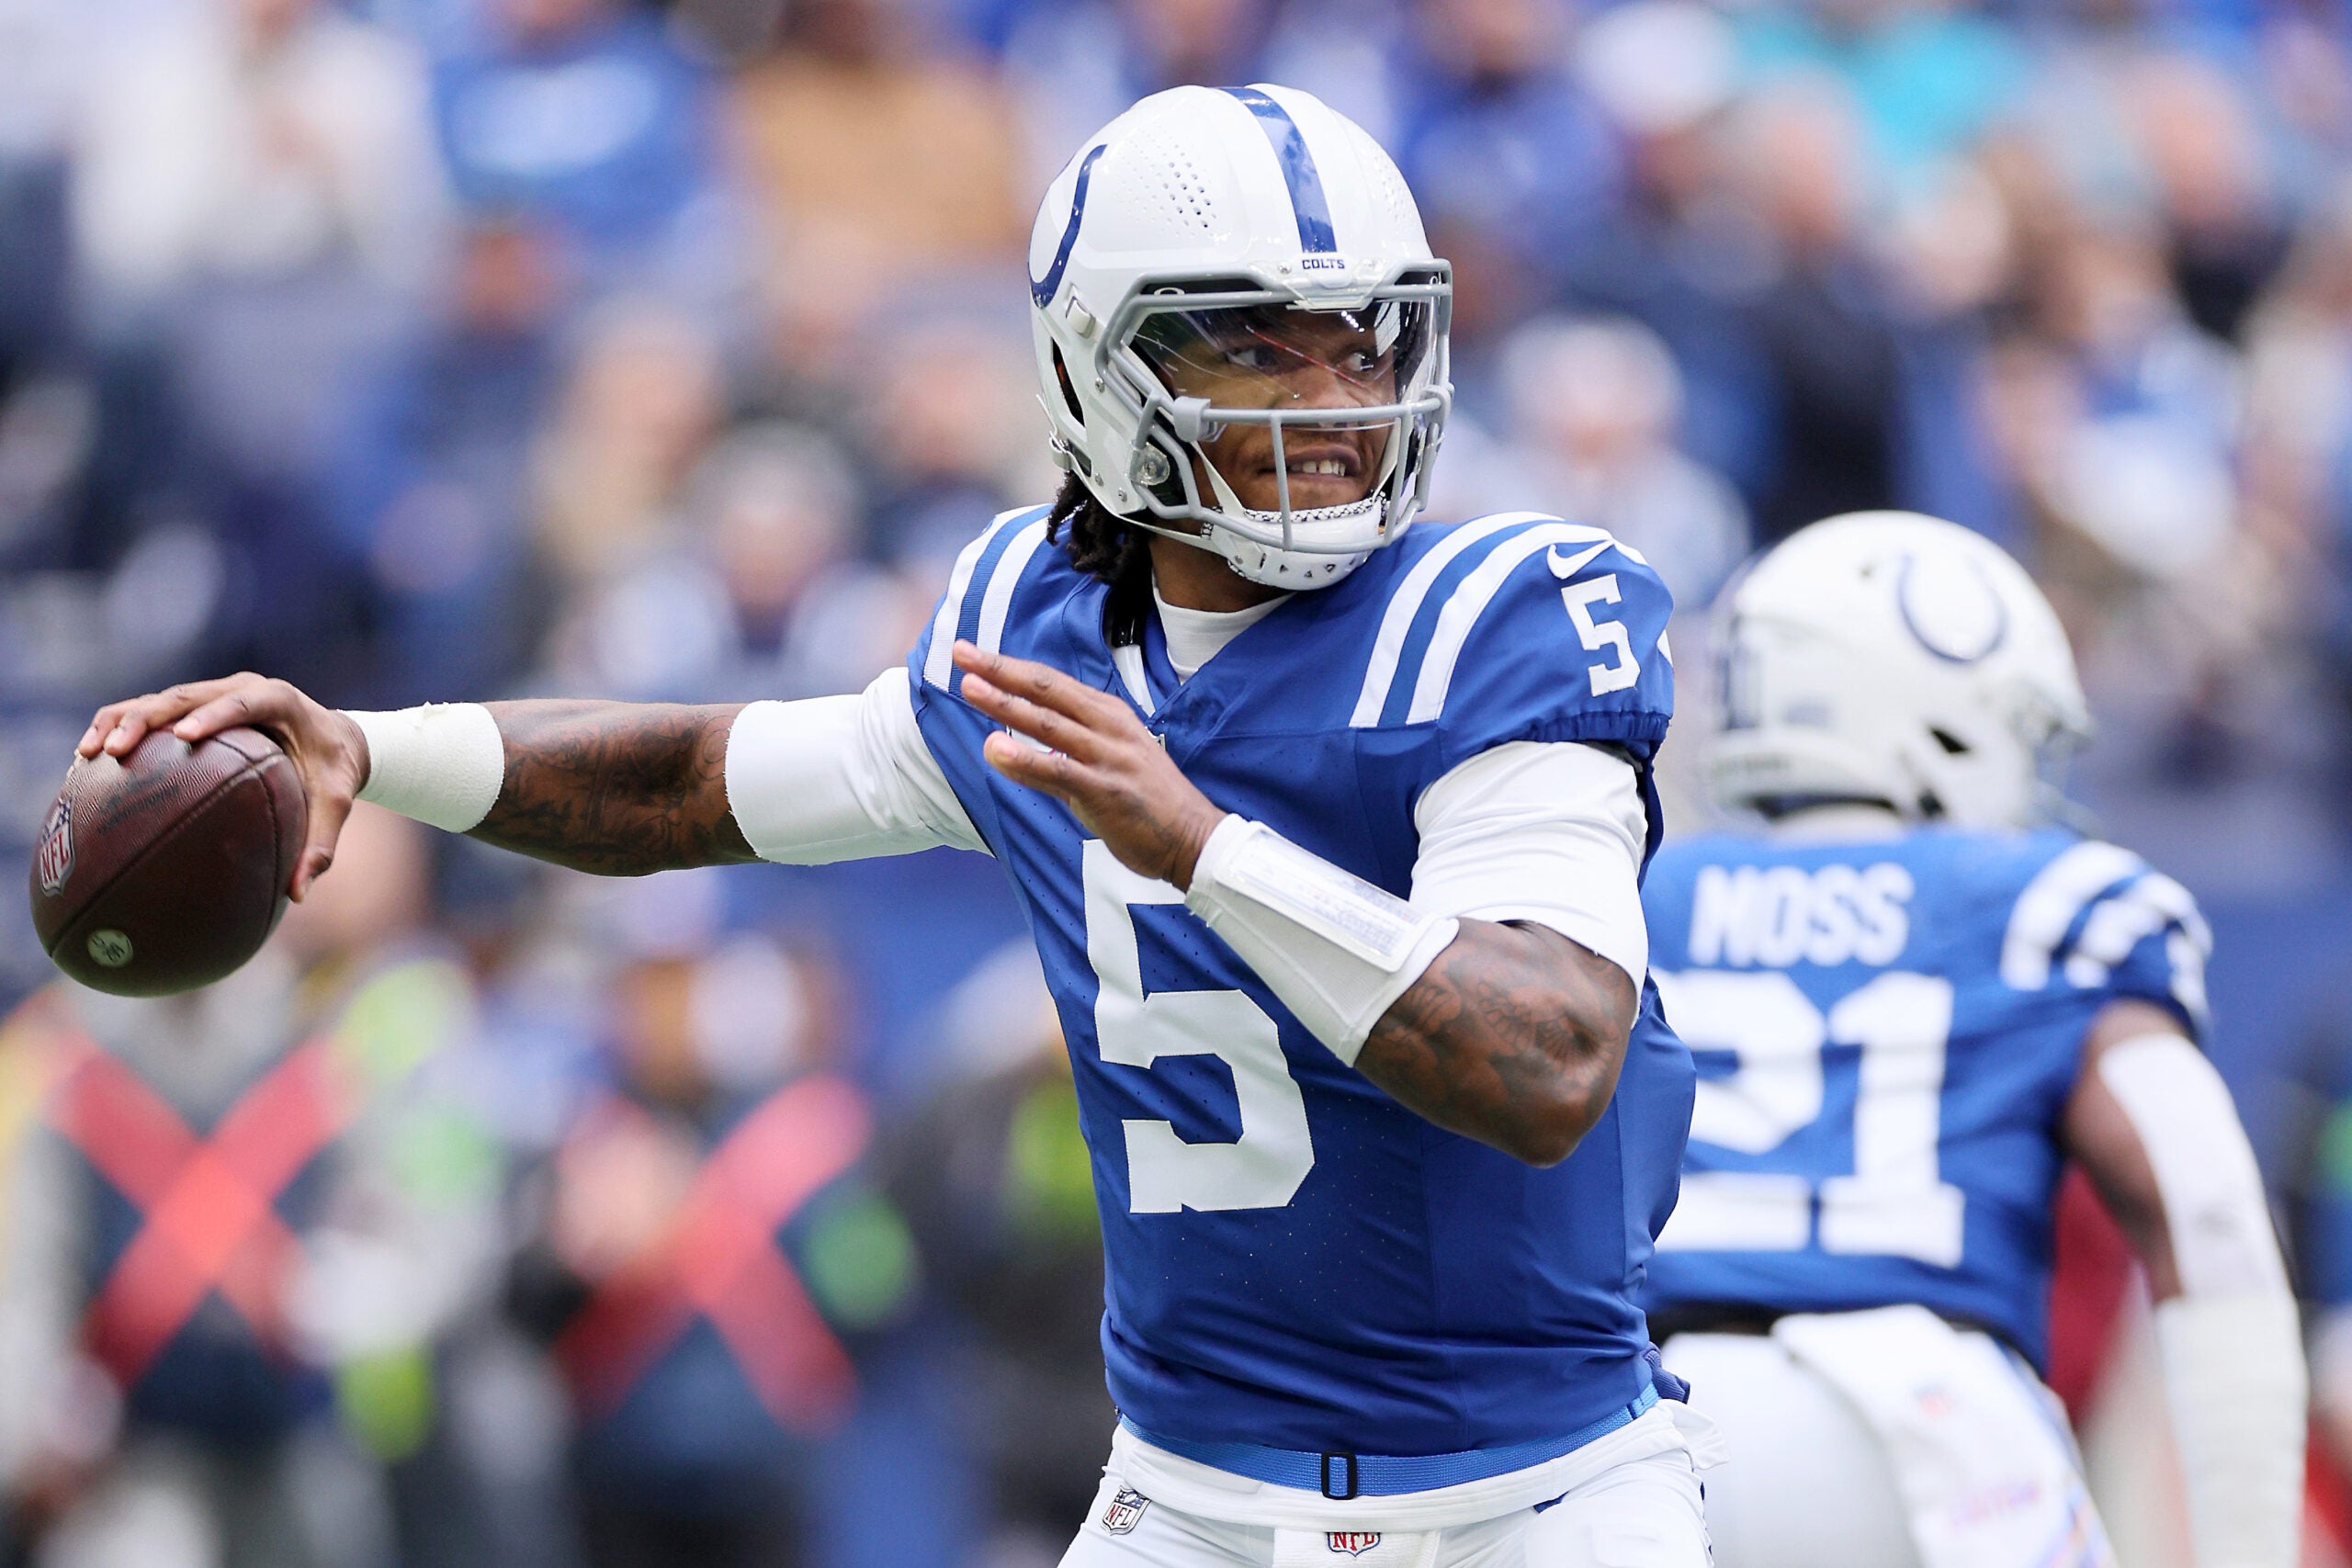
x=1293 y=1258
x=1887 y=1034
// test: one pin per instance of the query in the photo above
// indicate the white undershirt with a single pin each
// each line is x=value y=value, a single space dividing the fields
x=1195 y=637
x=1546 y=832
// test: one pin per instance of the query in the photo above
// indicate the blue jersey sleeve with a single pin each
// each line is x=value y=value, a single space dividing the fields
x=978 y=607
x=1571 y=646
x=978 y=601
x=2099 y=918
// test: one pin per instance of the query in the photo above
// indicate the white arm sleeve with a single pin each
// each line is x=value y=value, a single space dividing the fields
x=1549 y=832
x=841 y=778
x=2230 y=1344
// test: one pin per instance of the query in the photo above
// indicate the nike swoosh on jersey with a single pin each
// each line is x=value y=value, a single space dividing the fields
x=1564 y=570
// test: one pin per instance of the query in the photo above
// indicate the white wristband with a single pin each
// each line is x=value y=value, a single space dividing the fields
x=443 y=763
x=1337 y=950
x=2233 y=1376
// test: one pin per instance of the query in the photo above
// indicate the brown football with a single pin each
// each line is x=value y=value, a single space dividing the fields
x=165 y=870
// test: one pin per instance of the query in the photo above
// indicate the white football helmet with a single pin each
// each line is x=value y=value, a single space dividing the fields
x=1196 y=220
x=1890 y=657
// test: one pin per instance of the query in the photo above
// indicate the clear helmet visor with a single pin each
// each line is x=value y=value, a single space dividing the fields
x=1291 y=411
x=1283 y=355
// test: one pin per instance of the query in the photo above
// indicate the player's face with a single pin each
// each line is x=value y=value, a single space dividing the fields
x=1277 y=358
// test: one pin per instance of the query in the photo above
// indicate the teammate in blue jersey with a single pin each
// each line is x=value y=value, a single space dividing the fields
x=1330 y=828
x=1911 y=1003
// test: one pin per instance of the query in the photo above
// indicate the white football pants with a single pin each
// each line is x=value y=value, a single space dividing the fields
x=1808 y=1485
x=1645 y=1513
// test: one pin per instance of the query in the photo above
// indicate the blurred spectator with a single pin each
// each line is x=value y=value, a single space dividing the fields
x=756 y=596
x=250 y=1217
x=258 y=187
x=258 y=213
x=2313 y=1163
x=1072 y=64
x=2121 y=425
x=584 y=116
x=2198 y=135
x=255 y=139
x=881 y=161
x=2139 y=130
x=641 y=401
x=993 y=1175
x=707 y=1257
x=41 y=51
x=2324 y=1242
x=434 y=492
x=2138 y=459
x=1681 y=251
x=1926 y=80
x=1824 y=325
x=952 y=425
x=1594 y=405
x=1513 y=165
x=1952 y=248
x=2299 y=448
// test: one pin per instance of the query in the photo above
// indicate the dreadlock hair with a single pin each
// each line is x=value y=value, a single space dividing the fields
x=1105 y=545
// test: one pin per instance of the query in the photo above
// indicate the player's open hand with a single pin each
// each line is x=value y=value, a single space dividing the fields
x=1100 y=761
x=327 y=748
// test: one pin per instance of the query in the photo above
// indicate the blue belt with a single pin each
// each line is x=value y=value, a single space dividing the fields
x=1342 y=1476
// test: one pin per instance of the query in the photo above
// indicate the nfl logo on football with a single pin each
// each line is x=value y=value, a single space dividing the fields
x=1125 y=1511
x=1355 y=1543
x=55 y=859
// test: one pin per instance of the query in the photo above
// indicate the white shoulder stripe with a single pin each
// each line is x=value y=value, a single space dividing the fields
x=2045 y=911
x=2122 y=922
x=1476 y=592
x=1004 y=580
x=2187 y=952
x=1396 y=623
x=939 y=660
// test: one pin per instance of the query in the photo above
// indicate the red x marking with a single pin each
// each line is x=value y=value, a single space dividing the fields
x=719 y=1259
x=210 y=1220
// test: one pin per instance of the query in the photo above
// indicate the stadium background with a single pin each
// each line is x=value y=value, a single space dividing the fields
x=435 y=349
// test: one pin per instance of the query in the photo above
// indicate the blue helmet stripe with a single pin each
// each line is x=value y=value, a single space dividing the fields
x=1042 y=289
x=1300 y=173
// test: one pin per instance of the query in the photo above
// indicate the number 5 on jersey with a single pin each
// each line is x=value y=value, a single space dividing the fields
x=1598 y=636
x=1262 y=1167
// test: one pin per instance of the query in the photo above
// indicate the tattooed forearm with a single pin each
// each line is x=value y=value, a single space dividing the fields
x=620 y=789
x=1514 y=1036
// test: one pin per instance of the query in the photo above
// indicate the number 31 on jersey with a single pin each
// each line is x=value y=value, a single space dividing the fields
x=1893 y=1202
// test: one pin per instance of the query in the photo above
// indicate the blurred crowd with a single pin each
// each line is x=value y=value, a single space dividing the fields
x=445 y=349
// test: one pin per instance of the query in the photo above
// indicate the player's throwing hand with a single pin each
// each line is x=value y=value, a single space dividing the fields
x=1103 y=764
x=327 y=748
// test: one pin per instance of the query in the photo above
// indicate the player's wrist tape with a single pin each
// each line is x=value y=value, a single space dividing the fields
x=1337 y=950
x=443 y=763
x=2233 y=1377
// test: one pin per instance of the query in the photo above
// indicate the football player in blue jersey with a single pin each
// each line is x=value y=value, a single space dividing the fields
x=1912 y=1003
x=1330 y=829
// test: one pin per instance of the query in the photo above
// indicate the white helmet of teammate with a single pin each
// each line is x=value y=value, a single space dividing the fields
x=1888 y=656
x=1181 y=237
